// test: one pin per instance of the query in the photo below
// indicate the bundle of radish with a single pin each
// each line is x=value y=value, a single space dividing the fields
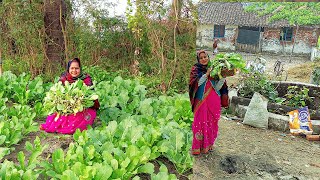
x=69 y=99
x=229 y=63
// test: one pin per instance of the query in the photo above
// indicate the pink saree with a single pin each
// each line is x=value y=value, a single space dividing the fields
x=206 y=117
x=206 y=106
x=69 y=123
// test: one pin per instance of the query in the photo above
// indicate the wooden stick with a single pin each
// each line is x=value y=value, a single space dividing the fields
x=315 y=165
x=64 y=33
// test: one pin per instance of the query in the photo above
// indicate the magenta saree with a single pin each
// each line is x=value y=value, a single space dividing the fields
x=68 y=124
x=206 y=117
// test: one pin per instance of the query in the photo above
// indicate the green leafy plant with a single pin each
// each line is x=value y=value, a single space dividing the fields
x=297 y=97
x=143 y=130
x=15 y=122
x=28 y=168
x=256 y=82
x=162 y=174
x=315 y=77
x=296 y=13
x=315 y=74
x=68 y=99
x=119 y=98
x=21 y=89
x=230 y=61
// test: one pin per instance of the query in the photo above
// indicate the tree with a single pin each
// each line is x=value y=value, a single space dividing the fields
x=296 y=13
x=22 y=36
x=54 y=22
x=175 y=12
x=235 y=1
x=0 y=50
x=158 y=22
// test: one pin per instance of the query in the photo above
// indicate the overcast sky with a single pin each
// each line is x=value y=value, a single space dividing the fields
x=120 y=8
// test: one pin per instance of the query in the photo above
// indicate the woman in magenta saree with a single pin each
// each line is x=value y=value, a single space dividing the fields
x=205 y=92
x=69 y=123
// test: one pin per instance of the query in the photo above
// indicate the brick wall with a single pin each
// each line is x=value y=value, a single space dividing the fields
x=305 y=39
x=308 y=35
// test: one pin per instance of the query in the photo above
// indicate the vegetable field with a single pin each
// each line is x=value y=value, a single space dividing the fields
x=131 y=131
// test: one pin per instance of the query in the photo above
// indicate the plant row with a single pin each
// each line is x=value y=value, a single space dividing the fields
x=135 y=131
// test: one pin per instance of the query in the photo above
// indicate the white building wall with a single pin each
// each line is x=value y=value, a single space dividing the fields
x=205 y=38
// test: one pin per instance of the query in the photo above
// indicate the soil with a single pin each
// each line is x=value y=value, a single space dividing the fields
x=298 y=68
x=169 y=165
x=244 y=152
x=53 y=140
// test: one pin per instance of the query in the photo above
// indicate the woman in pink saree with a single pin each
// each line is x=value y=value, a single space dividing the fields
x=205 y=92
x=69 y=123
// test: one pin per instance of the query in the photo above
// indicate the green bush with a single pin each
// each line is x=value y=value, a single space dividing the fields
x=296 y=97
x=256 y=82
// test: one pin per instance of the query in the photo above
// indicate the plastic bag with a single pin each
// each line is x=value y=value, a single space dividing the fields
x=257 y=114
x=299 y=121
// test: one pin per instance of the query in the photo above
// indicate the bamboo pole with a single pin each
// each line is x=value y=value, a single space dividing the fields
x=294 y=42
x=174 y=44
x=64 y=33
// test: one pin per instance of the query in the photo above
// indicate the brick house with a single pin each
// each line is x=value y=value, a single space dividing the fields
x=238 y=30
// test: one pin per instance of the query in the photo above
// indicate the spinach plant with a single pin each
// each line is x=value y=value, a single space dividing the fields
x=69 y=99
x=230 y=61
x=296 y=97
x=256 y=82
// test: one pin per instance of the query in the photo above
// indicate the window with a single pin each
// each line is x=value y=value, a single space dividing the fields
x=286 y=34
x=219 y=31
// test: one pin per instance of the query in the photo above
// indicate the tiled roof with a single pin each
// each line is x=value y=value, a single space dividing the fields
x=233 y=14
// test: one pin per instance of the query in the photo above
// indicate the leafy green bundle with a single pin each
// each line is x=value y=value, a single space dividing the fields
x=68 y=99
x=230 y=61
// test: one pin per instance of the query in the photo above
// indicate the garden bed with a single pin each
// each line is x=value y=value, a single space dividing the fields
x=272 y=107
x=282 y=90
x=314 y=91
x=278 y=112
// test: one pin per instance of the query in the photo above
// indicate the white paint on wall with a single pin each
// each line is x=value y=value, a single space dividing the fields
x=205 y=37
x=271 y=45
x=274 y=46
x=315 y=53
x=302 y=48
x=227 y=44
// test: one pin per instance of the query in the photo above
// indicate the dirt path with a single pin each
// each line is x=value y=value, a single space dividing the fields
x=298 y=69
x=243 y=152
